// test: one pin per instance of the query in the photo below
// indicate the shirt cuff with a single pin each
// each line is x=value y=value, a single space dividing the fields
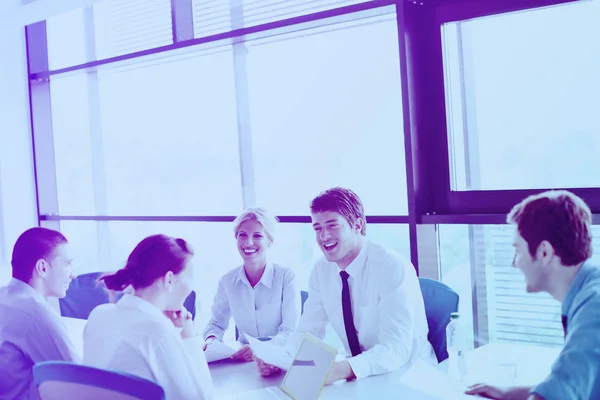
x=360 y=365
x=215 y=333
x=553 y=389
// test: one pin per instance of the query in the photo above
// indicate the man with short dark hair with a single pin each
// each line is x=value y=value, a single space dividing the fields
x=30 y=329
x=553 y=242
x=369 y=294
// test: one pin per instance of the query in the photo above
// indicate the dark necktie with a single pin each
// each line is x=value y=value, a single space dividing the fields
x=348 y=319
x=563 y=319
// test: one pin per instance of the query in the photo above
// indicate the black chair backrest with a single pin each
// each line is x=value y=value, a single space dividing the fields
x=440 y=301
x=303 y=298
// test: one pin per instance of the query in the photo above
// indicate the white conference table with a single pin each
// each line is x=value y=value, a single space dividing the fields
x=492 y=363
x=530 y=365
x=232 y=380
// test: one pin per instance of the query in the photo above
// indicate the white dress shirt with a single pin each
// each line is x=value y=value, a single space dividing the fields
x=31 y=331
x=269 y=309
x=387 y=308
x=134 y=336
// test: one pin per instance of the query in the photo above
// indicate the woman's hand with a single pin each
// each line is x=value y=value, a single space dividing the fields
x=183 y=319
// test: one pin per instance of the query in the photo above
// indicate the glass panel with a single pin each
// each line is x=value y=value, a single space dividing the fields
x=521 y=99
x=105 y=246
x=155 y=150
x=72 y=145
x=5 y=274
x=213 y=244
x=261 y=12
x=326 y=110
x=83 y=238
x=116 y=27
x=476 y=261
x=66 y=37
x=127 y=26
x=215 y=16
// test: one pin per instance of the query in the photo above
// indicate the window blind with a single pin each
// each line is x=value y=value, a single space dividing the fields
x=217 y=16
x=127 y=26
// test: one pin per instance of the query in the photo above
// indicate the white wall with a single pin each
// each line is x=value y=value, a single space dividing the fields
x=17 y=193
x=18 y=210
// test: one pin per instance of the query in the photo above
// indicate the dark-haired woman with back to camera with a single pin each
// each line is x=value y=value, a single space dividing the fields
x=149 y=333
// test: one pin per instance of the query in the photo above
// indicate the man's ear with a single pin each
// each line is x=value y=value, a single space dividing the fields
x=41 y=267
x=359 y=224
x=545 y=252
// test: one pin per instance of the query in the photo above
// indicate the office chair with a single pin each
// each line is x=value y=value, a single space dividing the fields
x=58 y=380
x=440 y=301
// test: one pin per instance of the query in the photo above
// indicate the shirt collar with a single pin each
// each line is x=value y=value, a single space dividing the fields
x=354 y=267
x=266 y=279
x=576 y=284
x=137 y=303
x=21 y=287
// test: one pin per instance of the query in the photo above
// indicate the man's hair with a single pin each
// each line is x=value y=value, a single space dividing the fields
x=343 y=201
x=34 y=244
x=559 y=217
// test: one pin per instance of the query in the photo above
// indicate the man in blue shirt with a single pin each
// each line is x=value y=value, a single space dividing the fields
x=553 y=242
x=30 y=330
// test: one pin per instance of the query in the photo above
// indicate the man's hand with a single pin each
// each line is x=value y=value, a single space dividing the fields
x=266 y=369
x=499 y=393
x=340 y=370
x=243 y=354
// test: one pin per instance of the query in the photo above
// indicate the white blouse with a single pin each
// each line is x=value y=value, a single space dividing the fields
x=134 y=336
x=269 y=309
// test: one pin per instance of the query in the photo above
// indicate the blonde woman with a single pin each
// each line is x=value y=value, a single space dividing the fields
x=259 y=295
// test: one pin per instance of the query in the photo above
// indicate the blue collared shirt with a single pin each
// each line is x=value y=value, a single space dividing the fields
x=576 y=373
x=30 y=332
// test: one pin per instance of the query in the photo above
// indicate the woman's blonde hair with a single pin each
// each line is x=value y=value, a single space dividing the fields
x=260 y=215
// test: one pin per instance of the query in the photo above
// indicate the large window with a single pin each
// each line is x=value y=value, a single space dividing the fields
x=214 y=246
x=162 y=144
x=179 y=138
x=522 y=90
x=179 y=135
x=217 y=16
x=476 y=261
x=326 y=110
x=106 y=29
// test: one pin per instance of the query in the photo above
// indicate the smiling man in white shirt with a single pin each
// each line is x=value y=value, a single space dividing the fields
x=30 y=329
x=369 y=294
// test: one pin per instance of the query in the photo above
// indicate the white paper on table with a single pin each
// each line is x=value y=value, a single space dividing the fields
x=428 y=379
x=270 y=353
x=218 y=350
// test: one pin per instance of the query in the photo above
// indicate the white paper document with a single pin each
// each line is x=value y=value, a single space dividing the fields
x=270 y=353
x=218 y=350
x=421 y=375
